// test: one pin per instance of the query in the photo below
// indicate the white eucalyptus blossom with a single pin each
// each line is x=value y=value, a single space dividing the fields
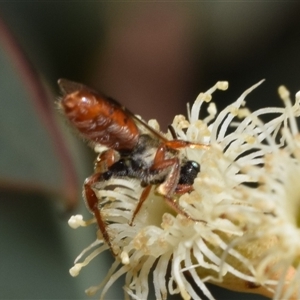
x=244 y=227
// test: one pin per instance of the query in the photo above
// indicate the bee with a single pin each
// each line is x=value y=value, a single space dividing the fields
x=134 y=149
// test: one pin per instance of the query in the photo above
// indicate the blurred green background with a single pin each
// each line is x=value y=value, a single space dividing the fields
x=154 y=57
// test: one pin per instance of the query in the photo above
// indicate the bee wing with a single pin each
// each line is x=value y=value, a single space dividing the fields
x=142 y=125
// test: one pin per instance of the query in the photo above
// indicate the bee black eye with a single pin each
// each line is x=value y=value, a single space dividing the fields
x=189 y=172
x=194 y=165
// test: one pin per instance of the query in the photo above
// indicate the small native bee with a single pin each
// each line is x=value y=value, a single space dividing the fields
x=135 y=149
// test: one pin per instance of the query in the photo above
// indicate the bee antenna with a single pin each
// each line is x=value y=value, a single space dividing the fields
x=172 y=131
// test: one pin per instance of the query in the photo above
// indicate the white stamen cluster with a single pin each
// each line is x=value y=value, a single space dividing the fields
x=244 y=227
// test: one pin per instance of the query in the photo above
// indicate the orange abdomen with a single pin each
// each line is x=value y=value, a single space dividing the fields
x=100 y=120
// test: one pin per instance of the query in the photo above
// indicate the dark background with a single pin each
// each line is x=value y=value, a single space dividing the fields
x=165 y=53
x=152 y=57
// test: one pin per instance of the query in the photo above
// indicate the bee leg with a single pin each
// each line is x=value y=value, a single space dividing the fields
x=142 y=199
x=179 y=210
x=160 y=164
x=183 y=188
x=92 y=201
x=168 y=187
x=171 y=186
x=105 y=160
